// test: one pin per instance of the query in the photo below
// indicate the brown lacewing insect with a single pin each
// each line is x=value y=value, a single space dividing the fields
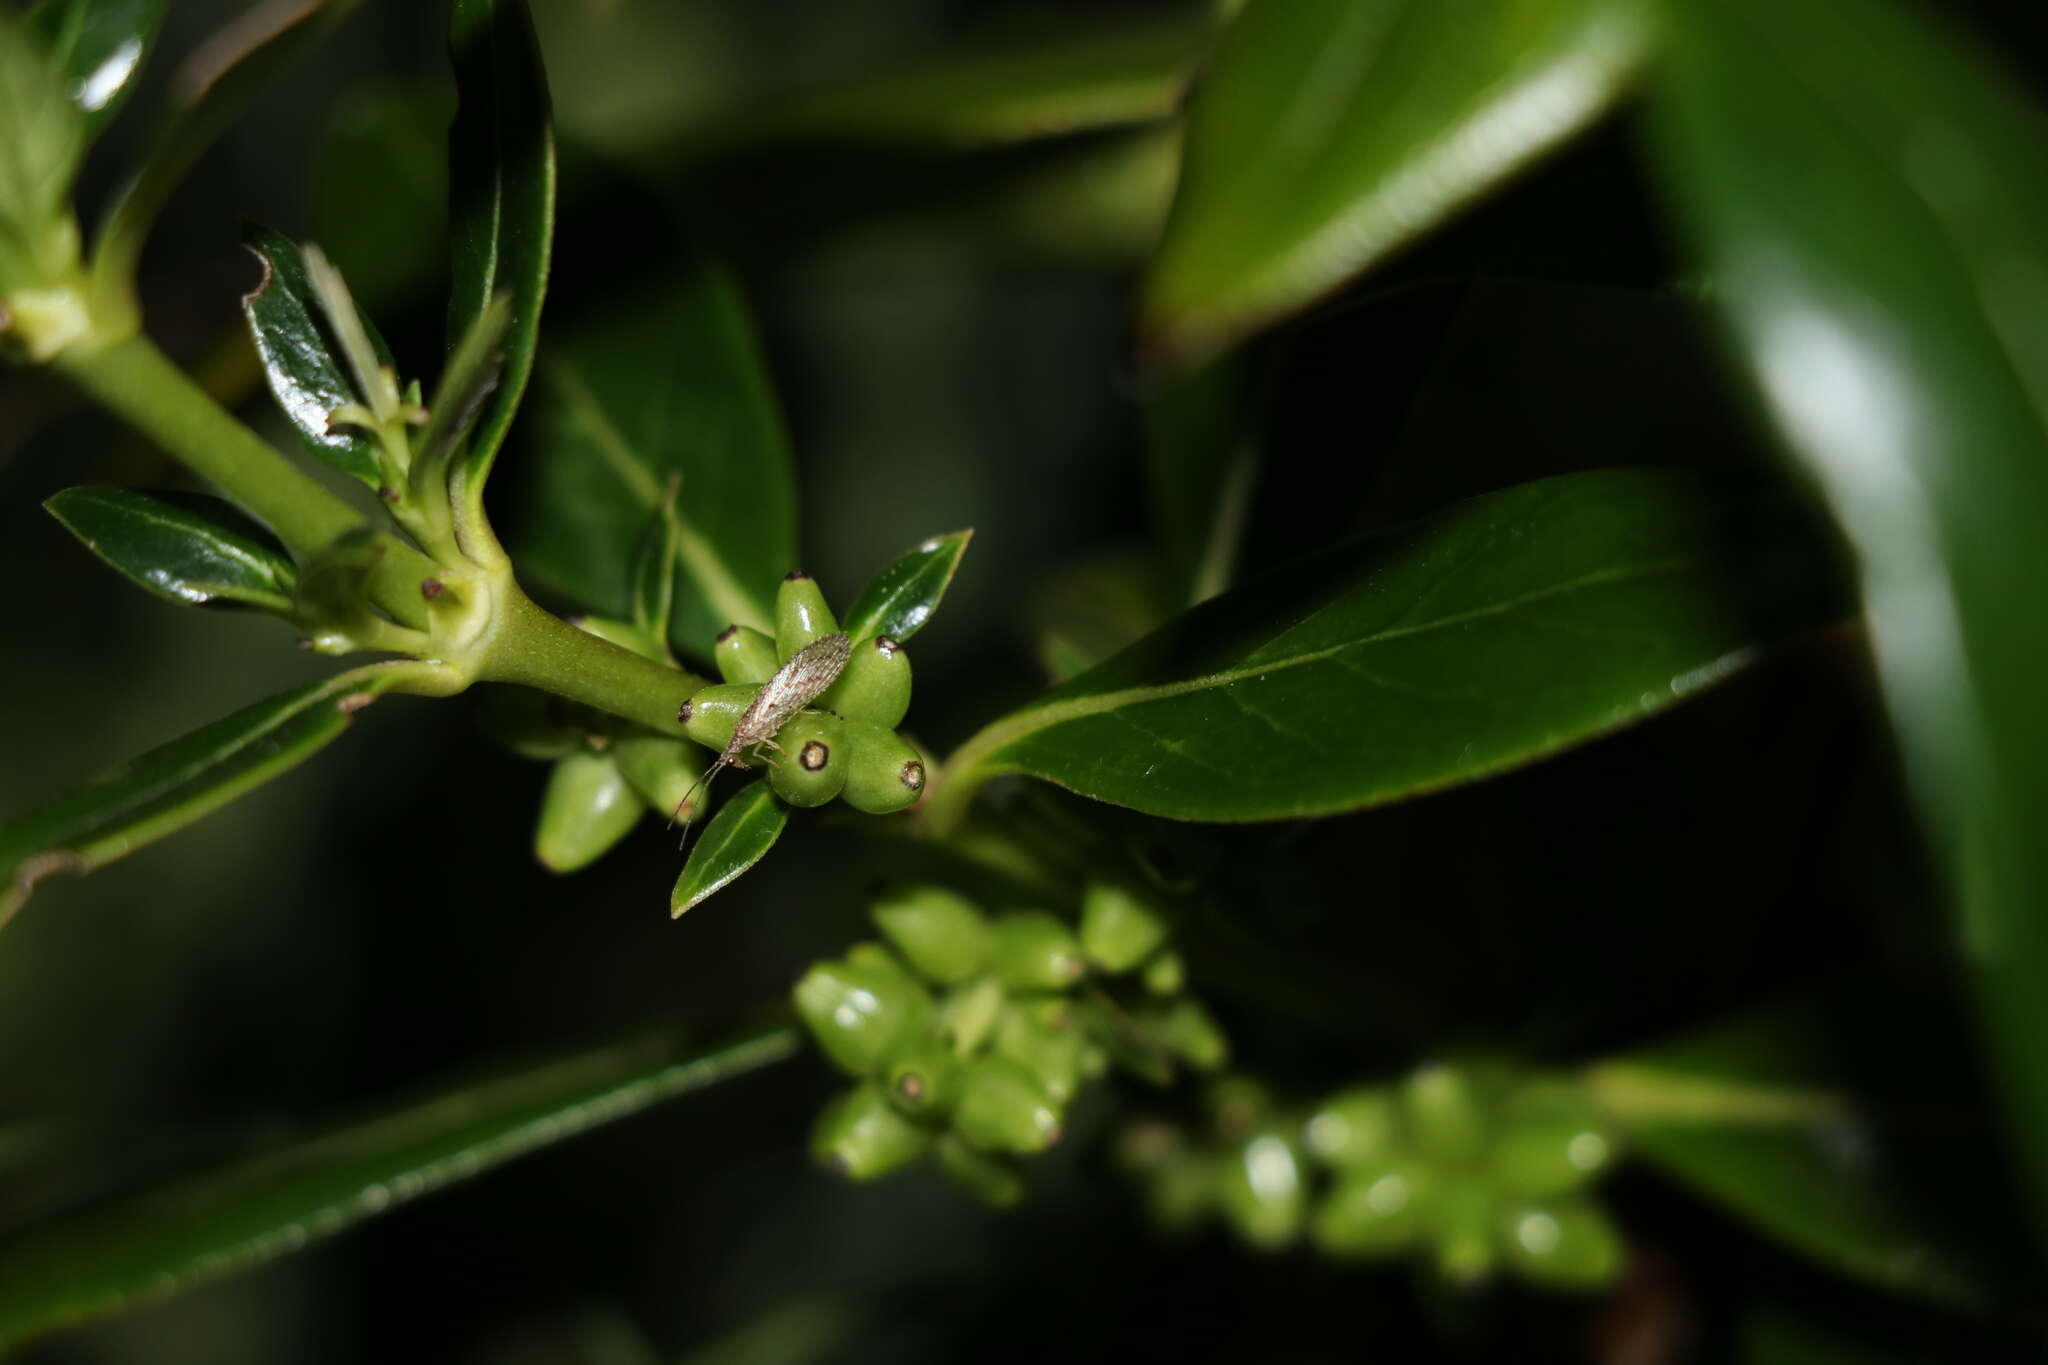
x=795 y=685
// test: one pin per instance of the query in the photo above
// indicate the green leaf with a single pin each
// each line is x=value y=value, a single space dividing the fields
x=175 y=552
x=379 y=197
x=672 y=386
x=98 y=46
x=1090 y=608
x=275 y=1202
x=1866 y=194
x=43 y=137
x=1200 y=454
x=656 y=561
x=1326 y=133
x=901 y=598
x=737 y=837
x=301 y=361
x=501 y=208
x=172 y=786
x=1501 y=630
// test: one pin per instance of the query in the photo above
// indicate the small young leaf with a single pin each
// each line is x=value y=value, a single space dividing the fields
x=501 y=210
x=1328 y=132
x=98 y=46
x=901 y=598
x=474 y=373
x=172 y=786
x=306 y=375
x=737 y=838
x=260 y=1207
x=655 y=563
x=177 y=553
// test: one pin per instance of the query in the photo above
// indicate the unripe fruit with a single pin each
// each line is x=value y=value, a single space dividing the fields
x=939 y=931
x=801 y=615
x=874 y=686
x=969 y=1013
x=744 y=655
x=587 y=808
x=1183 y=1191
x=1165 y=974
x=883 y=771
x=994 y=1180
x=1375 y=1209
x=922 y=1080
x=713 y=713
x=1446 y=1114
x=861 y=1137
x=861 y=1013
x=1562 y=1243
x=1259 y=1191
x=1551 y=1139
x=1355 y=1127
x=1026 y=1035
x=1461 y=1227
x=664 y=771
x=1187 y=1030
x=1002 y=1108
x=811 y=768
x=1030 y=950
x=1118 y=931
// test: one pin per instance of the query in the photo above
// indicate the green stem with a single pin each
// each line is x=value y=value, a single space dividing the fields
x=531 y=647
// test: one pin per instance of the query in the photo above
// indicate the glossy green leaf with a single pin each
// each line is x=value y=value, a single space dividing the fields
x=174 y=551
x=739 y=836
x=302 y=362
x=277 y=1201
x=1501 y=630
x=1867 y=196
x=1326 y=133
x=98 y=46
x=1200 y=457
x=901 y=598
x=673 y=387
x=501 y=210
x=172 y=786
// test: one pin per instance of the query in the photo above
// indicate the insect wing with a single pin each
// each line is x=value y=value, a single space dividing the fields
x=796 y=685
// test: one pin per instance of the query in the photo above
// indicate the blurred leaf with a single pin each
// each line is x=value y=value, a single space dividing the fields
x=794 y=1334
x=274 y=1203
x=307 y=377
x=1867 y=196
x=173 y=785
x=672 y=387
x=1328 y=132
x=1201 y=457
x=98 y=46
x=44 y=138
x=1499 y=631
x=901 y=598
x=656 y=562
x=501 y=211
x=737 y=837
x=379 y=198
x=1092 y=608
x=179 y=554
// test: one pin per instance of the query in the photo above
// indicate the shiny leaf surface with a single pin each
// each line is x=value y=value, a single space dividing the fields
x=99 y=46
x=1326 y=133
x=174 y=551
x=901 y=598
x=739 y=836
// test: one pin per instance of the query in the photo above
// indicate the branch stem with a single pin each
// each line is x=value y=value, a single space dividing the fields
x=532 y=647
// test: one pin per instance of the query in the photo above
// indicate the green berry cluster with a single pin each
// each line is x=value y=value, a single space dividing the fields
x=1476 y=1166
x=969 y=1035
x=845 y=744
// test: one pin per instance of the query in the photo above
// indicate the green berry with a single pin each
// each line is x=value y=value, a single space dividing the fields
x=861 y=1137
x=811 y=767
x=939 y=931
x=1187 y=1030
x=923 y=1079
x=862 y=1013
x=1354 y=1127
x=1183 y=1191
x=884 y=773
x=587 y=808
x=969 y=1013
x=744 y=655
x=1446 y=1113
x=1562 y=1243
x=713 y=713
x=801 y=615
x=1165 y=974
x=1551 y=1139
x=1260 y=1191
x=1030 y=950
x=664 y=771
x=1376 y=1208
x=1046 y=1043
x=994 y=1180
x=1003 y=1108
x=1462 y=1230
x=1118 y=931
x=874 y=686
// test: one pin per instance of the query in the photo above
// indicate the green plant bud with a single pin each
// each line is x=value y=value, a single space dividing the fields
x=1027 y=1035
x=1030 y=950
x=1551 y=1139
x=532 y=723
x=859 y=1136
x=1376 y=1208
x=868 y=953
x=1260 y=1191
x=811 y=767
x=664 y=771
x=1187 y=1030
x=587 y=808
x=922 y=1080
x=1165 y=974
x=884 y=773
x=713 y=713
x=939 y=931
x=1446 y=1113
x=1183 y=1191
x=1118 y=931
x=994 y=1180
x=968 y=1015
x=1461 y=1221
x=1355 y=1126
x=875 y=685
x=744 y=655
x=801 y=615
x=1003 y=1108
x=624 y=634
x=862 y=1013
x=1562 y=1243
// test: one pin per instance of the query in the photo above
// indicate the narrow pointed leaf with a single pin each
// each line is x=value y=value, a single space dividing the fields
x=656 y=561
x=178 y=553
x=1501 y=630
x=671 y=387
x=172 y=786
x=277 y=1201
x=901 y=598
x=99 y=46
x=739 y=836
x=474 y=375
x=1866 y=192
x=501 y=210
x=1326 y=133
